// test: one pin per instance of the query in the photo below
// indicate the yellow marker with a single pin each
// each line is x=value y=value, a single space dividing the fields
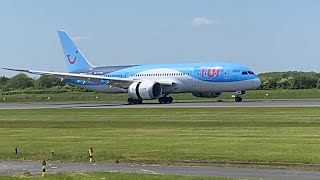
x=90 y=152
x=44 y=168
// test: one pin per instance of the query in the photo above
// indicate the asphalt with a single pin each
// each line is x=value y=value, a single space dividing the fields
x=293 y=103
x=10 y=168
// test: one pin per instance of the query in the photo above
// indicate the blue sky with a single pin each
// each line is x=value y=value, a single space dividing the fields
x=269 y=35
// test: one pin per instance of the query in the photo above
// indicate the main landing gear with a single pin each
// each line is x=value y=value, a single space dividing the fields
x=162 y=100
x=165 y=100
x=238 y=95
x=134 y=101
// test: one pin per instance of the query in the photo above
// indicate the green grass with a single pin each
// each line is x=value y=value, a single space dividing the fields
x=163 y=135
x=100 y=97
x=111 y=176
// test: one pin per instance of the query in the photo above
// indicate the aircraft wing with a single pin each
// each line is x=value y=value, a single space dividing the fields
x=113 y=81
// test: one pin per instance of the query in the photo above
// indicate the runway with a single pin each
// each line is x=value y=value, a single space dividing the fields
x=10 y=168
x=288 y=103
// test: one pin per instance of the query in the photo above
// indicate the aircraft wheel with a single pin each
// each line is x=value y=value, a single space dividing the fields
x=165 y=100
x=160 y=100
x=238 y=99
x=130 y=101
x=134 y=101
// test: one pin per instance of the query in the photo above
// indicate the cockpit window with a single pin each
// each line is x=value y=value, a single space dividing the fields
x=247 y=72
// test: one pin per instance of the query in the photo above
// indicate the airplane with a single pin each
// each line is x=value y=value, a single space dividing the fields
x=153 y=81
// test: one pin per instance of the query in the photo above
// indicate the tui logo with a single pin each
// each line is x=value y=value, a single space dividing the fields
x=72 y=61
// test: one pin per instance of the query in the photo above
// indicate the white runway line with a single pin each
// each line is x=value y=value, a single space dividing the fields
x=148 y=171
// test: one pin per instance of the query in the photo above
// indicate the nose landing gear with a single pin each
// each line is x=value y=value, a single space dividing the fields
x=238 y=99
x=237 y=96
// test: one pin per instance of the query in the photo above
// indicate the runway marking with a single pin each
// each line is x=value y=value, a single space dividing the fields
x=148 y=171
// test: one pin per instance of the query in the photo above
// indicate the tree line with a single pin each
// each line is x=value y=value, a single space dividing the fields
x=22 y=82
x=270 y=80
x=290 y=80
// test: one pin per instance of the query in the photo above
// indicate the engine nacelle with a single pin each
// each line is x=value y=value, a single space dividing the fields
x=207 y=94
x=145 y=90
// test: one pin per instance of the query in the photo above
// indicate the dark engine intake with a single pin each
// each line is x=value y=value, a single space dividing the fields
x=145 y=90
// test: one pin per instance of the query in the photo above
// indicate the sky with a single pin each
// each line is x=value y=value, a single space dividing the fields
x=265 y=35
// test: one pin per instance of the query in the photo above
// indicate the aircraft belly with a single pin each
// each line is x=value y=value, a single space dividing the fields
x=205 y=86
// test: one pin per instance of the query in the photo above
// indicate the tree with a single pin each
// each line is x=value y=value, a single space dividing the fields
x=3 y=82
x=20 y=81
x=318 y=84
x=304 y=82
x=46 y=81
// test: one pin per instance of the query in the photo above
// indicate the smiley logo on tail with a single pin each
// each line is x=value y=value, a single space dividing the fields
x=72 y=61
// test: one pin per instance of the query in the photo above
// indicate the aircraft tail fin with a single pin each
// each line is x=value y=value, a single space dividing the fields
x=74 y=58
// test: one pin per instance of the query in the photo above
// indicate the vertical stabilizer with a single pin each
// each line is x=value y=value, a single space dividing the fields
x=74 y=58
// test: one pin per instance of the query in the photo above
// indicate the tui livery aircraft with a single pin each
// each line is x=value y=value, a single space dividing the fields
x=154 y=81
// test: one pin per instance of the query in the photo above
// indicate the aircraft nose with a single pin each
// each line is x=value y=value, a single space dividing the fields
x=256 y=82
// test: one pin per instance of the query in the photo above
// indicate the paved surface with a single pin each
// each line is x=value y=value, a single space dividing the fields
x=302 y=103
x=17 y=168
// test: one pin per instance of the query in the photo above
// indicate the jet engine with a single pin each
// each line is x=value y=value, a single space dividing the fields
x=207 y=94
x=145 y=90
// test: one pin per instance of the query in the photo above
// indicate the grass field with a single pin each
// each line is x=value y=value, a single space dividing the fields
x=163 y=135
x=111 y=176
x=100 y=97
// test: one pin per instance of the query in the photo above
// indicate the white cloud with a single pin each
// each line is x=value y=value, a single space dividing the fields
x=202 y=21
x=78 y=38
